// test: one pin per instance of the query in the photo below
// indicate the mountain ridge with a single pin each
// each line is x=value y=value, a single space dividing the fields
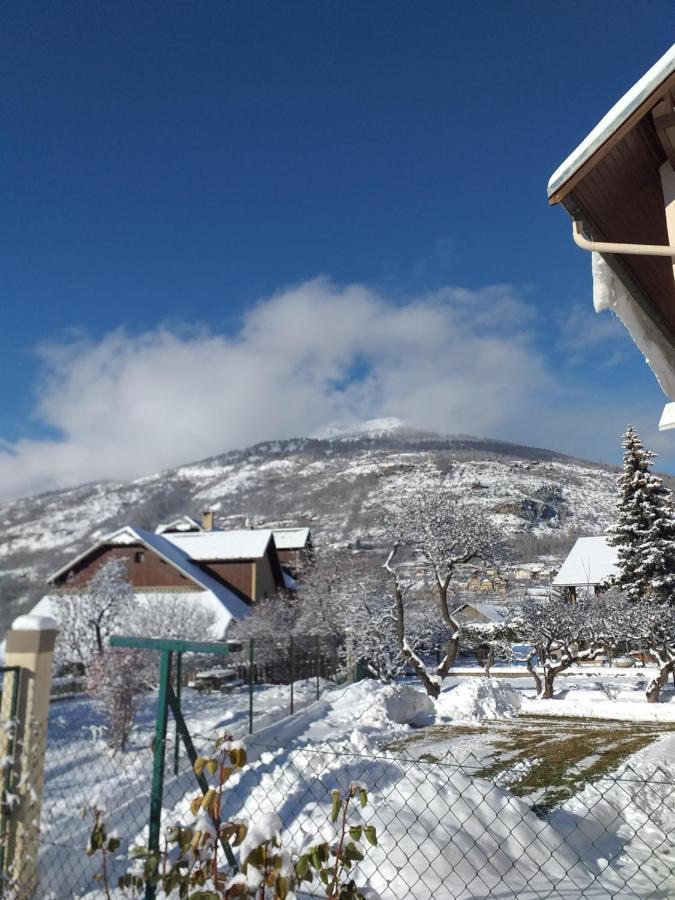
x=337 y=485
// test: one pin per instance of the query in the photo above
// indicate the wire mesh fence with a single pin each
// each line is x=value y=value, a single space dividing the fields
x=300 y=668
x=446 y=828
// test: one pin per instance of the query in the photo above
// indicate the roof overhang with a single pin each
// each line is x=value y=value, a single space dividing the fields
x=614 y=184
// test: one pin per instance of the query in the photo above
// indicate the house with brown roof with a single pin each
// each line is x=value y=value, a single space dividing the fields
x=245 y=559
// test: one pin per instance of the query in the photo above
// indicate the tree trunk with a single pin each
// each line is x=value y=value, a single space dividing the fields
x=431 y=685
x=653 y=691
x=448 y=660
x=550 y=672
x=533 y=672
x=549 y=678
x=452 y=647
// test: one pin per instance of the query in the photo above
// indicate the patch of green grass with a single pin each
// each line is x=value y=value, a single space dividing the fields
x=562 y=764
x=552 y=759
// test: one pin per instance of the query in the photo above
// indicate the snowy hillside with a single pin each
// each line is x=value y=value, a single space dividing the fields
x=337 y=484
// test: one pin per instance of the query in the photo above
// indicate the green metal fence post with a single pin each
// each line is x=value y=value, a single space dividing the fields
x=292 y=675
x=251 y=658
x=179 y=675
x=158 y=762
x=192 y=756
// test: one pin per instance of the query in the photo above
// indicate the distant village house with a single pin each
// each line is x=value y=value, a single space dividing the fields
x=589 y=565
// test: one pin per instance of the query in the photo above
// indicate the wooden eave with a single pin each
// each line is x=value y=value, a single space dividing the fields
x=617 y=194
x=601 y=152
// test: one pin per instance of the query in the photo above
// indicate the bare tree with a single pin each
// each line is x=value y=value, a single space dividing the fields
x=271 y=623
x=649 y=627
x=565 y=631
x=118 y=679
x=86 y=617
x=371 y=624
x=661 y=638
x=492 y=641
x=440 y=534
x=169 y=615
x=321 y=596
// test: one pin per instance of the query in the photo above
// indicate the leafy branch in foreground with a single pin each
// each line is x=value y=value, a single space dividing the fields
x=332 y=864
x=101 y=842
x=196 y=862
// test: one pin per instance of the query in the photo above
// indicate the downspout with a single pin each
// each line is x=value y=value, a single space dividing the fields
x=610 y=247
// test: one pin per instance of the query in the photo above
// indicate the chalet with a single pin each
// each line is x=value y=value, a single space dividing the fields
x=618 y=186
x=590 y=562
x=157 y=565
x=226 y=571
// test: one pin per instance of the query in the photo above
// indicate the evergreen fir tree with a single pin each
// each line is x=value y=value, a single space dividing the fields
x=644 y=529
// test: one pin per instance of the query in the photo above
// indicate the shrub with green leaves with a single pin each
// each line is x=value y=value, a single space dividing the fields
x=102 y=843
x=197 y=861
x=332 y=864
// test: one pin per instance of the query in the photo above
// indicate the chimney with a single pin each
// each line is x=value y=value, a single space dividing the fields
x=207 y=520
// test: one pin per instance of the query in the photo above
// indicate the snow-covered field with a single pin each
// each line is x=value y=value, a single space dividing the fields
x=448 y=827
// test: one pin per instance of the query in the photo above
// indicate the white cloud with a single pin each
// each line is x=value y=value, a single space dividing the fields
x=452 y=361
x=583 y=332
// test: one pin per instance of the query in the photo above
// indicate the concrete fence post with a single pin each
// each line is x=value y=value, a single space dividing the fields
x=30 y=646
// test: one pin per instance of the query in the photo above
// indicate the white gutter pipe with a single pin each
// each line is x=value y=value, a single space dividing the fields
x=609 y=247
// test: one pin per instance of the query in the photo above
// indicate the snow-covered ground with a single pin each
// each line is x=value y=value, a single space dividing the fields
x=443 y=832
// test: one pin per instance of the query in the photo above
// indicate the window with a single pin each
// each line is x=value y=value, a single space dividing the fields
x=139 y=556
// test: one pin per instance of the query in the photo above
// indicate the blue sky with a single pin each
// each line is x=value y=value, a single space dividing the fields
x=196 y=173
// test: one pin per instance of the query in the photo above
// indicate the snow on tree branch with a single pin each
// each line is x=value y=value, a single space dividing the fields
x=439 y=534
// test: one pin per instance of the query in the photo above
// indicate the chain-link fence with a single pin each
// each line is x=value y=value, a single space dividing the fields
x=446 y=828
x=280 y=676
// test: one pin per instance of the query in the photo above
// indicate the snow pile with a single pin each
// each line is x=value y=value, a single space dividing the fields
x=377 y=711
x=477 y=699
x=441 y=833
x=407 y=706
x=622 y=823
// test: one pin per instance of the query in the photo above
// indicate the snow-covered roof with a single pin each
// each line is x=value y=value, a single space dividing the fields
x=172 y=553
x=650 y=82
x=492 y=612
x=242 y=543
x=591 y=560
x=182 y=523
x=291 y=538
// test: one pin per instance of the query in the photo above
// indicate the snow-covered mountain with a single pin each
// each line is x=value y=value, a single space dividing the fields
x=337 y=484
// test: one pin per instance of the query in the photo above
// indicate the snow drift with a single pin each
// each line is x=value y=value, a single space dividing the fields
x=477 y=699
